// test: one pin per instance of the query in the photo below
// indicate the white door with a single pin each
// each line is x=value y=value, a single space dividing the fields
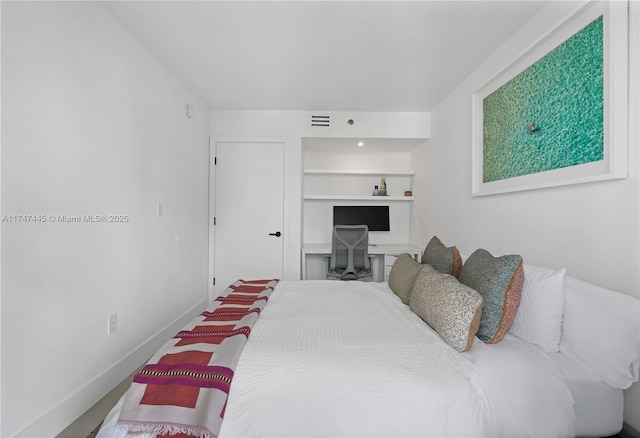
x=249 y=212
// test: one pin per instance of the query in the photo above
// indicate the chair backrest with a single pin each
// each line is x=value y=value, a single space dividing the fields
x=350 y=252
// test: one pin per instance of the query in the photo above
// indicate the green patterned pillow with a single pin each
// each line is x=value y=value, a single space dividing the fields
x=445 y=260
x=452 y=309
x=403 y=273
x=499 y=280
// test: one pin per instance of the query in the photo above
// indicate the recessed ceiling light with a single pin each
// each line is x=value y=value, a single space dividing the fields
x=360 y=143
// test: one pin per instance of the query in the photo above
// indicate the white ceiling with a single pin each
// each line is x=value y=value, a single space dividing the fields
x=323 y=55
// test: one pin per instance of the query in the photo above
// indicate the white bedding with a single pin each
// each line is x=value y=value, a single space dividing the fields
x=329 y=358
x=528 y=392
x=599 y=407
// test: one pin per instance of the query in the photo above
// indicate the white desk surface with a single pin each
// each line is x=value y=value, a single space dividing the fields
x=387 y=248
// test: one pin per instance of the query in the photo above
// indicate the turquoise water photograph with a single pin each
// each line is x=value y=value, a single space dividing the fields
x=548 y=119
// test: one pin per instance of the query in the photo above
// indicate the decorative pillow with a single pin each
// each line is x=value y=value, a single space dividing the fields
x=445 y=260
x=499 y=280
x=403 y=273
x=539 y=316
x=452 y=309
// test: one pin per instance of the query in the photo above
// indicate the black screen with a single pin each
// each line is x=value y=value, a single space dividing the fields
x=376 y=217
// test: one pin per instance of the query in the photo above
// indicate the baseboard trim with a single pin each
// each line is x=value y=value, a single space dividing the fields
x=628 y=432
x=61 y=416
x=88 y=421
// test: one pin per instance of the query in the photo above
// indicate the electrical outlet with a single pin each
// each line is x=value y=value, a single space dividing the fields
x=113 y=323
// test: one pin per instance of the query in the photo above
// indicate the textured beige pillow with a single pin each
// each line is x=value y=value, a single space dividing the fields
x=452 y=309
x=403 y=273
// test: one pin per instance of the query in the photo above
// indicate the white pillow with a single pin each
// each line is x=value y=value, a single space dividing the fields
x=539 y=316
x=601 y=329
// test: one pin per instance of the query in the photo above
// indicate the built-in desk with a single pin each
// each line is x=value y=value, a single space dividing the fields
x=385 y=255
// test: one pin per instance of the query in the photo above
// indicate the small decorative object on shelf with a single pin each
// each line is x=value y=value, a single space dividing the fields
x=383 y=187
x=376 y=192
x=408 y=193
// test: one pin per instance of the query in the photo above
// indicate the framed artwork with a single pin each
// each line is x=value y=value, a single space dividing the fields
x=558 y=114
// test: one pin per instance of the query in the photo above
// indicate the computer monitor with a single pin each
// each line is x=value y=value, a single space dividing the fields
x=376 y=217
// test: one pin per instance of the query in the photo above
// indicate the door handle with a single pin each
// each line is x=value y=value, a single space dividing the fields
x=277 y=234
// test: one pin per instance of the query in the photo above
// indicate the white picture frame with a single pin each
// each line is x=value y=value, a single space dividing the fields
x=614 y=165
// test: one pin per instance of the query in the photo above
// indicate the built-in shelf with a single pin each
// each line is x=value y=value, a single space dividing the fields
x=332 y=177
x=336 y=179
x=358 y=198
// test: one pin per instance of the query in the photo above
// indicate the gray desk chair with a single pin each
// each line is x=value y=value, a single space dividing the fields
x=349 y=258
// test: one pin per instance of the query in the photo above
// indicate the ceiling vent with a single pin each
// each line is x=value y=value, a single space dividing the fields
x=320 y=121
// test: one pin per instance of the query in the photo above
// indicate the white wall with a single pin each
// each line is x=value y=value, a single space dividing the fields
x=93 y=124
x=591 y=229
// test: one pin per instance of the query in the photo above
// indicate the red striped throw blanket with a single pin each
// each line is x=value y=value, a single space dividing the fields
x=183 y=390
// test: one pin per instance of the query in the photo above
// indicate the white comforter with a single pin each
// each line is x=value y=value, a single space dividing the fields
x=337 y=359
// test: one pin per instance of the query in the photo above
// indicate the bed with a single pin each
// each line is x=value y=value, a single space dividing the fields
x=333 y=358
